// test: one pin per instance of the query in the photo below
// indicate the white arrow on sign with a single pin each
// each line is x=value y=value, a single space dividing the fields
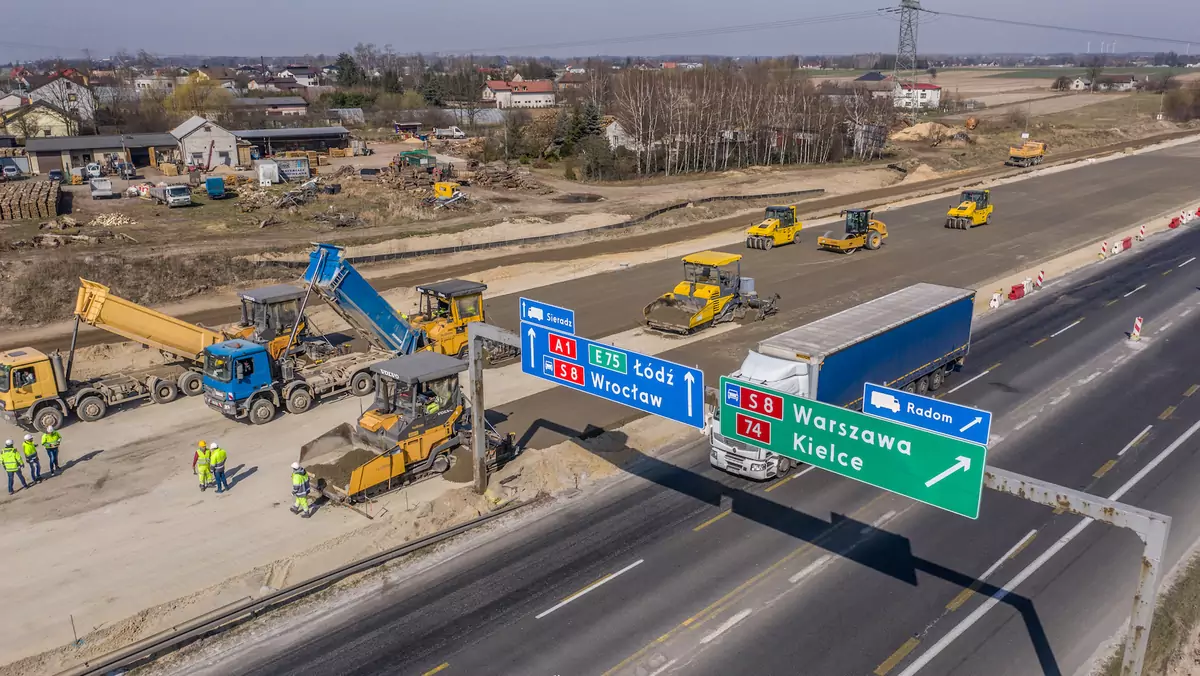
x=964 y=463
x=690 y=379
x=976 y=421
x=532 y=363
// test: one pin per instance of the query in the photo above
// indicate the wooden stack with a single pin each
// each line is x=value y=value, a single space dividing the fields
x=28 y=199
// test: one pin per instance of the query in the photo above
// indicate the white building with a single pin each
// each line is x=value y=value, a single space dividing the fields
x=1079 y=85
x=68 y=92
x=920 y=96
x=164 y=84
x=303 y=75
x=205 y=144
x=11 y=101
x=520 y=93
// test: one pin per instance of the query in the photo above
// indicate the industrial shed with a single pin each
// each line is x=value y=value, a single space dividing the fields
x=68 y=152
x=272 y=141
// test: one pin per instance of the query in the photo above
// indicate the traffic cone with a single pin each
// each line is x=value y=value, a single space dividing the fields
x=1136 y=334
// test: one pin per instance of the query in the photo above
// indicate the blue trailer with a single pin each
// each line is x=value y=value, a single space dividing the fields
x=215 y=187
x=911 y=340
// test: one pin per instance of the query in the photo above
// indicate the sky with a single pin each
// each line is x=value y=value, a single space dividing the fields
x=64 y=28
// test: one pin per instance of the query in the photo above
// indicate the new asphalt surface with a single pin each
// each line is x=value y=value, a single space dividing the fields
x=685 y=569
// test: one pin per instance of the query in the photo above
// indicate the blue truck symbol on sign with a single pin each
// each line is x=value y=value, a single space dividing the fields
x=927 y=413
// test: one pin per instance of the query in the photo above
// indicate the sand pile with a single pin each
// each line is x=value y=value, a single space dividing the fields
x=922 y=173
x=923 y=132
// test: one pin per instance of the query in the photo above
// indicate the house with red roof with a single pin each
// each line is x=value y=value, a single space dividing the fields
x=520 y=93
x=917 y=96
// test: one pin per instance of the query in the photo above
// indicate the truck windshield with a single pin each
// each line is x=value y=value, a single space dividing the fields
x=218 y=367
x=4 y=377
x=178 y=191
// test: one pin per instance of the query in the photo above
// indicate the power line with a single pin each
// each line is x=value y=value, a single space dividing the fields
x=701 y=32
x=1068 y=29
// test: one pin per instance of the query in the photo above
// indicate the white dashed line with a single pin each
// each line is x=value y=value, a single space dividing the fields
x=1066 y=328
x=726 y=626
x=1135 y=440
x=1134 y=291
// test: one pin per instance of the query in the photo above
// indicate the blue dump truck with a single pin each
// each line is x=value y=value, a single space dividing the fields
x=243 y=381
x=912 y=339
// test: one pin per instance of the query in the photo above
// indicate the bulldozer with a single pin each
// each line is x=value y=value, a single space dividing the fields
x=974 y=208
x=713 y=290
x=862 y=232
x=417 y=420
x=779 y=226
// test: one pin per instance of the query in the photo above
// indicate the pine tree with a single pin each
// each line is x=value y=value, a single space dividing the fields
x=590 y=124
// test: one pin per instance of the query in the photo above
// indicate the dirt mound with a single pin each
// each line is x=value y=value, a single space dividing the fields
x=922 y=173
x=923 y=132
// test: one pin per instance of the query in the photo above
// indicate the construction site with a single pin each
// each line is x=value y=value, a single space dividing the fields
x=326 y=323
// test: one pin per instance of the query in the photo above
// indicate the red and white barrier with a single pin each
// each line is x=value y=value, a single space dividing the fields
x=1104 y=250
x=1142 y=233
x=1041 y=278
x=1136 y=334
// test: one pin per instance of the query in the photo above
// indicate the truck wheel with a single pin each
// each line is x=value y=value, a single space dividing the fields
x=91 y=408
x=362 y=384
x=783 y=466
x=768 y=243
x=911 y=388
x=191 y=383
x=749 y=242
x=262 y=411
x=874 y=240
x=47 y=416
x=935 y=380
x=796 y=237
x=163 y=391
x=923 y=385
x=299 y=401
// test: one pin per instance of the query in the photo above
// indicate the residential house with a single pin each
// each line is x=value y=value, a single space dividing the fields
x=1123 y=84
x=302 y=75
x=38 y=119
x=1080 y=84
x=206 y=144
x=67 y=90
x=284 y=106
x=12 y=101
x=226 y=77
x=272 y=84
x=576 y=70
x=571 y=80
x=919 y=96
x=873 y=76
x=520 y=93
x=330 y=71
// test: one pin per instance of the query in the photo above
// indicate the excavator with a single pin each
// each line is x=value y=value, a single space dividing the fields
x=779 y=226
x=713 y=290
x=417 y=420
x=974 y=208
x=862 y=232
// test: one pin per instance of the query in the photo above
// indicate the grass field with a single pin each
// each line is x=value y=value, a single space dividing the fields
x=1052 y=73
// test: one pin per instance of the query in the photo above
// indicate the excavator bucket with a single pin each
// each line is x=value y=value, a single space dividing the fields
x=670 y=313
x=331 y=459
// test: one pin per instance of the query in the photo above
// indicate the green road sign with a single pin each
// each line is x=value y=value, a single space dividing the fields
x=602 y=357
x=928 y=467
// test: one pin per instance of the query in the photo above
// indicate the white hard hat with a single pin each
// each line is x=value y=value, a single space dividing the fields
x=213 y=444
x=8 y=442
x=50 y=429
x=295 y=465
x=28 y=437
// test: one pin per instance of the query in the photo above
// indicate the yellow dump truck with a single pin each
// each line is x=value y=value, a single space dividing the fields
x=1027 y=155
x=778 y=226
x=36 y=388
x=410 y=432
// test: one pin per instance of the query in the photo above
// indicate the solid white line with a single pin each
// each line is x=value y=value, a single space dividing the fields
x=726 y=626
x=1025 y=422
x=810 y=569
x=595 y=586
x=663 y=668
x=953 y=390
x=1066 y=328
x=1134 y=440
x=1032 y=568
x=1186 y=262
x=1134 y=291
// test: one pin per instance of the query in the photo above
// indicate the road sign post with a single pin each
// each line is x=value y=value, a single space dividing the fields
x=921 y=465
x=927 y=413
x=646 y=383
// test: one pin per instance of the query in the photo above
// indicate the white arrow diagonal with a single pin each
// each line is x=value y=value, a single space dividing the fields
x=532 y=363
x=964 y=463
x=690 y=379
x=976 y=421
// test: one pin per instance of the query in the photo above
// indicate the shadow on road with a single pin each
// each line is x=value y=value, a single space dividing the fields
x=83 y=458
x=235 y=475
x=841 y=535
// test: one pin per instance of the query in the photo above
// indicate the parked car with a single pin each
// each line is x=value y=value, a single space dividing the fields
x=126 y=170
x=93 y=170
x=102 y=188
x=55 y=175
x=11 y=173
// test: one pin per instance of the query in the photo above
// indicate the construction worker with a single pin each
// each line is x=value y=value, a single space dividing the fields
x=29 y=450
x=217 y=456
x=50 y=441
x=200 y=465
x=12 y=464
x=300 y=491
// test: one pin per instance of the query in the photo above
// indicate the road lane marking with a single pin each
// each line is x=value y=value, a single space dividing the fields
x=663 y=668
x=726 y=626
x=598 y=583
x=1025 y=542
x=1012 y=553
x=1059 y=398
x=962 y=385
x=713 y=520
x=1186 y=262
x=695 y=620
x=1167 y=413
x=1104 y=469
x=1039 y=342
x=1134 y=291
x=1191 y=390
x=1066 y=328
x=1166 y=272
x=1136 y=440
x=1164 y=327
x=436 y=669
x=1025 y=422
x=1185 y=313
x=896 y=657
x=1112 y=302
x=811 y=568
x=1032 y=568
x=786 y=479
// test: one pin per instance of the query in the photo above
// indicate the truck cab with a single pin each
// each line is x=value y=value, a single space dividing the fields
x=234 y=372
x=445 y=310
x=28 y=383
x=739 y=458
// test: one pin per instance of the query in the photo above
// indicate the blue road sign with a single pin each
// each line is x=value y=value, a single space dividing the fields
x=927 y=413
x=547 y=315
x=656 y=386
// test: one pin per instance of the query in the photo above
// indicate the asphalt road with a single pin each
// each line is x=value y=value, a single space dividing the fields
x=689 y=570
